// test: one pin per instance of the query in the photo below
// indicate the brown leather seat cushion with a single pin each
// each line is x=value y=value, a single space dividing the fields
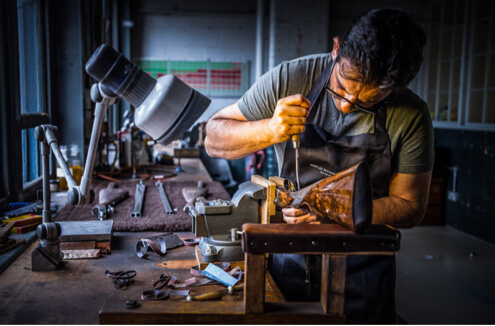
x=316 y=238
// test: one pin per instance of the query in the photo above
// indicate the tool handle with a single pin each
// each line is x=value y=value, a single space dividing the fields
x=216 y=295
x=295 y=141
x=238 y=287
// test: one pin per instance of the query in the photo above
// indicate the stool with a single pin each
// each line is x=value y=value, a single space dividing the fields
x=332 y=241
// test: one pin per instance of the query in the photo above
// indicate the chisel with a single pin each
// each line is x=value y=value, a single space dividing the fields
x=296 y=143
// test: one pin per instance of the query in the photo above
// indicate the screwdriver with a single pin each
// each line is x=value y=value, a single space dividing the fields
x=296 y=144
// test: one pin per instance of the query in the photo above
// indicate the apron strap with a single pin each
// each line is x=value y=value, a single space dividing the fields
x=379 y=121
x=318 y=86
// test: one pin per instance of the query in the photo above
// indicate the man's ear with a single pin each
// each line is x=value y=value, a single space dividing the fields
x=336 y=45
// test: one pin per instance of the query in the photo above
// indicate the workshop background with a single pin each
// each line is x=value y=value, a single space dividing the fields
x=221 y=48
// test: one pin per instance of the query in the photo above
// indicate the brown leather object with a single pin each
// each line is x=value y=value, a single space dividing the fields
x=316 y=238
x=344 y=198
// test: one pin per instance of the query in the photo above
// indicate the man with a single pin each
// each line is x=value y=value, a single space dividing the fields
x=351 y=105
x=368 y=69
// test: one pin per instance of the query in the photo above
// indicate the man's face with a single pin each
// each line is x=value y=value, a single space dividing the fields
x=350 y=95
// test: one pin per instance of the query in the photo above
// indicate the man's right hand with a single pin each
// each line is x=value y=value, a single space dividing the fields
x=231 y=136
x=289 y=117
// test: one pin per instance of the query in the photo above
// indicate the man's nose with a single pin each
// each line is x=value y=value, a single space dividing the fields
x=346 y=107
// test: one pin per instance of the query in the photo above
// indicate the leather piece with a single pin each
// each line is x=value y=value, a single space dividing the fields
x=143 y=245
x=316 y=238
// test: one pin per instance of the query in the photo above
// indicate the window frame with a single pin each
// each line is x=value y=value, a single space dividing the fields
x=464 y=90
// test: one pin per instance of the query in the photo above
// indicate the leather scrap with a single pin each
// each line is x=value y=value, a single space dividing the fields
x=143 y=245
x=121 y=279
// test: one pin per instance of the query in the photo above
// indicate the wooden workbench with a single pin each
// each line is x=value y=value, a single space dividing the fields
x=76 y=292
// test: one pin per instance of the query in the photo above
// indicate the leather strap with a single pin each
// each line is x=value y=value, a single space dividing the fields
x=143 y=245
x=121 y=279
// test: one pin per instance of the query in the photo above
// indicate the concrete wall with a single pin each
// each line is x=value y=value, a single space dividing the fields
x=226 y=31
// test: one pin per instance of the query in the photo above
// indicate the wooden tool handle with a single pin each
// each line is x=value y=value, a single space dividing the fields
x=216 y=295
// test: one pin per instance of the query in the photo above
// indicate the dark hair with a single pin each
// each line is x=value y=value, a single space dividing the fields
x=384 y=46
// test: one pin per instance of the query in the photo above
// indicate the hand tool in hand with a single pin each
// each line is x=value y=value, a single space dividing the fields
x=296 y=143
x=215 y=295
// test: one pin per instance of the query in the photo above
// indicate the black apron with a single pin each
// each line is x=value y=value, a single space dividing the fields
x=322 y=154
x=370 y=280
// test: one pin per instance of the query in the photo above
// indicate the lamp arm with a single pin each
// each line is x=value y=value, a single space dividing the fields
x=51 y=140
x=103 y=100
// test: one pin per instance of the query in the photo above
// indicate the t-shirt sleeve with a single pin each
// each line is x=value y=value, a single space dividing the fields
x=260 y=100
x=414 y=152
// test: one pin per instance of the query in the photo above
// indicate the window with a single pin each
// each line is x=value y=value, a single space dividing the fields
x=32 y=80
x=460 y=83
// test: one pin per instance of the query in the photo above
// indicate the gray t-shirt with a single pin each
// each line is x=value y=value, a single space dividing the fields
x=408 y=121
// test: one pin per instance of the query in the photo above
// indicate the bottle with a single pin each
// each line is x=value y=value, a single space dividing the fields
x=60 y=174
x=75 y=164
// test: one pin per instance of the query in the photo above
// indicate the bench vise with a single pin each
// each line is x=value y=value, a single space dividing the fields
x=218 y=222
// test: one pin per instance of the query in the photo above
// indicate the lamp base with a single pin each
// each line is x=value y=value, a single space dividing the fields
x=46 y=256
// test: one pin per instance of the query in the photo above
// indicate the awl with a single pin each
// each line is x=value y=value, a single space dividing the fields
x=296 y=144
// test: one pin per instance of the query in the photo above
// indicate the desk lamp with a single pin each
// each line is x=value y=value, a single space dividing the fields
x=165 y=109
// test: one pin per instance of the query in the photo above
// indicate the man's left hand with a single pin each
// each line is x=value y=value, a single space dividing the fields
x=300 y=215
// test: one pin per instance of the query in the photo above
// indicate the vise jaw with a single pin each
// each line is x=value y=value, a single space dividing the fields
x=217 y=222
x=220 y=216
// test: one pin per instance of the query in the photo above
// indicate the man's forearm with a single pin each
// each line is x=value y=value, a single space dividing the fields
x=397 y=212
x=233 y=139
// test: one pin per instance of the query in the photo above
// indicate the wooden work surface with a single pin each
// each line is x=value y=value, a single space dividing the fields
x=193 y=170
x=75 y=293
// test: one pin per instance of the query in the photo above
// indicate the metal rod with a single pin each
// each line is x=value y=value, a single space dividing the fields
x=100 y=110
x=163 y=196
x=137 y=209
x=45 y=154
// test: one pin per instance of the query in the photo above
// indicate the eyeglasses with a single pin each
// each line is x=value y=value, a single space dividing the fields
x=340 y=97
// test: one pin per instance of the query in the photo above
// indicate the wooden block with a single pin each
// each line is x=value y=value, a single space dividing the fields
x=267 y=208
x=10 y=244
x=103 y=245
x=5 y=231
x=25 y=228
x=278 y=181
x=23 y=219
x=77 y=245
x=186 y=152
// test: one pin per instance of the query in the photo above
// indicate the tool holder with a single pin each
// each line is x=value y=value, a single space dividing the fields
x=47 y=255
